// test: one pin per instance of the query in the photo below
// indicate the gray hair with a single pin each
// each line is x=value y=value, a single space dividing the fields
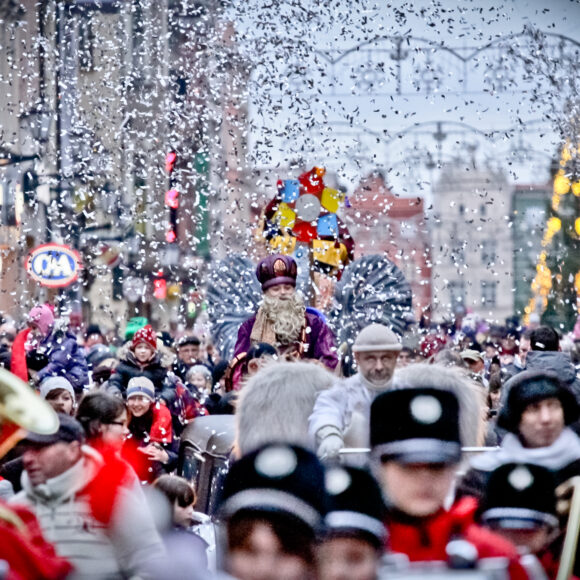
x=198 y=370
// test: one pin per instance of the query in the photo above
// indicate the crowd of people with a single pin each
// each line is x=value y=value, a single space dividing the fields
x=453 y=447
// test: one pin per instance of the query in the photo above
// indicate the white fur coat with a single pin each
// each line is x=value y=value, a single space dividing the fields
x=275 y=404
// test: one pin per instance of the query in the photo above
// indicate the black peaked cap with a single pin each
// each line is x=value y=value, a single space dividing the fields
x=277 y=477
x=416 y=426
x=520 y=495
x=355 y=503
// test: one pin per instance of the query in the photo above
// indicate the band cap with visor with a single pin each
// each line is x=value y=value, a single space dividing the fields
x=416 y=425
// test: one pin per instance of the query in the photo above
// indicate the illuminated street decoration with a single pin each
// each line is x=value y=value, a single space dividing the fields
x=305 y=212
x=556 y=285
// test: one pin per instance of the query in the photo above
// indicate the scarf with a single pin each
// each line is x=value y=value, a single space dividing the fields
x=374 y=387
x=565 y=450
x=263 y=329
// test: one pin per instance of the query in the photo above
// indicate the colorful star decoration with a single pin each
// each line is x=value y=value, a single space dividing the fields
x=304 y=212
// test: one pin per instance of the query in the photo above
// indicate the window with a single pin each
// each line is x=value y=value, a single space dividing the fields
x=457 y=293
x=488 y=251
x=457 y=255
x=489 y=292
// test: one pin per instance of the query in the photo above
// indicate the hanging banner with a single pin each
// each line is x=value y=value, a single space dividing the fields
x=53 y=265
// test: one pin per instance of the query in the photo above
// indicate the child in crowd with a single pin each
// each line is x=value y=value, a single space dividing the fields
x=59 y=394
x=150 y=447
x=142 y=360
x=181 y=496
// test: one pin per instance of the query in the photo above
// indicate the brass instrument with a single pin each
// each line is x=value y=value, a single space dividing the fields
x=22 y=410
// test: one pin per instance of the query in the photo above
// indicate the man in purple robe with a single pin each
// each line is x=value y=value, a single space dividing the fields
x=282 y=319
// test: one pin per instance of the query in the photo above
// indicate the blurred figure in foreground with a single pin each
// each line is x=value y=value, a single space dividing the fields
x=354 y=538
x=95 y=518
x=273 y=501
x=416 y=450
x=520 y=504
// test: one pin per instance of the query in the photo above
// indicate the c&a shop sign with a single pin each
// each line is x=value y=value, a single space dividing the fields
x=53 y=265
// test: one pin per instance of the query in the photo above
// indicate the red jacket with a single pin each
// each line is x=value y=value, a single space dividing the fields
x=161 y=432
x=427 y=541
x=23 y=546
x=18 y=364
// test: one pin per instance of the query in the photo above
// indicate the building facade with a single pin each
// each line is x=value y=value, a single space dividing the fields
x=115 y=86
x=530 y=205
x=382 y=223
x=472 y=243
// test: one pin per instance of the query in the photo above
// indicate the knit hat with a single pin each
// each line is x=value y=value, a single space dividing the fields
x=141 y=386
x=431 y=345
x=134 y=325
x=146 y=335
x=279 y=478
x=520 y=496
x=416 y=426
x=276 y=269
x=42 y=317
x=69 y=430
x=376 y=337
x=530 y=387
x=51 y=383
x=355 y=504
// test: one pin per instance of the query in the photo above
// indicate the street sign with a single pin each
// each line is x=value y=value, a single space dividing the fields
x=53 y=265
x=108 y=255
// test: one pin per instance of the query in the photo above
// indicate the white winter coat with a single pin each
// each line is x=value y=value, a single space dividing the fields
x=346 y=406
x=97 y=551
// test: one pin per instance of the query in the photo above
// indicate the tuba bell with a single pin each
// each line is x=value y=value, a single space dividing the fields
x=22 y=410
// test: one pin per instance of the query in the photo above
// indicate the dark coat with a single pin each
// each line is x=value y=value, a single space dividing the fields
x=129 y=368
x=557 y=362
x=65 y=358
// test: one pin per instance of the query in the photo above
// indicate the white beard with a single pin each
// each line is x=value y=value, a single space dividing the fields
x=286 y=317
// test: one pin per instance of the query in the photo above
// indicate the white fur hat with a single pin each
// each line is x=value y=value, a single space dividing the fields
x=376 y=337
